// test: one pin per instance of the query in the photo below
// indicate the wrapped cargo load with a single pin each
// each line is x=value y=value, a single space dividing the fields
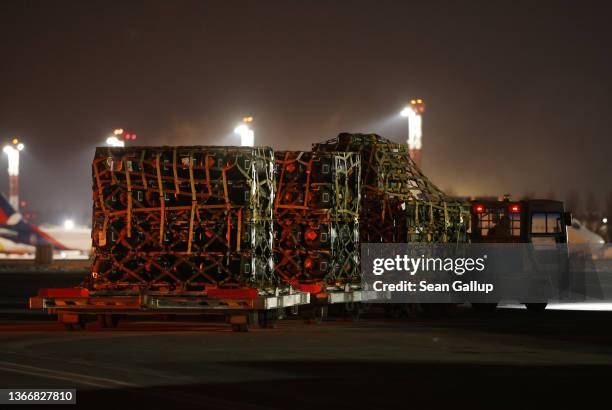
x=182 y=218
x=398 y=202
x=316 y=213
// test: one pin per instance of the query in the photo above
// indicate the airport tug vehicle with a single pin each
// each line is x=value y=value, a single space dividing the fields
x=537 y=221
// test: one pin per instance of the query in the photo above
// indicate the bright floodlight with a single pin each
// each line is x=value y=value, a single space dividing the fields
x=13 y=159
x=604 y=220
x=414 y=127
x=12 y=152
x=247 y=135
x=114 y=142
x=68 y=224
x=241 y=129
x=406 y=112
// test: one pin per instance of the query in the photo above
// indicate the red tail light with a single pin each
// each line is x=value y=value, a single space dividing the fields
x=308 y=263
x=515 y=208
x=290 y=168
x=478 y=208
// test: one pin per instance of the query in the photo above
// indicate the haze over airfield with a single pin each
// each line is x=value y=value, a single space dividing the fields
x=517 y=93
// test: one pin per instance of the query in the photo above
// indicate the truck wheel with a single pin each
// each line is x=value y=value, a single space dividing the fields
x=536 y=307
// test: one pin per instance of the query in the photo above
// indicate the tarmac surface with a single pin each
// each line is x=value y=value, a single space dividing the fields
x=510 y=359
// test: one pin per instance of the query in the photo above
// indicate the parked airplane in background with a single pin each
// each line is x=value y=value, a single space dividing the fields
x=583 y=238
x=18 y=236
x=9 y=247
x=76 y=238
x=579 y=234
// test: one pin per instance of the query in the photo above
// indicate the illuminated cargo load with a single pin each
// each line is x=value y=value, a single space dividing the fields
x=182 y=218
x=316 y=215
x=398 y=202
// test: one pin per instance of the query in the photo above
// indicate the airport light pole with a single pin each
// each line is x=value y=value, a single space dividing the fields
x=119 y=137
x=12 y=152
x=115 y=140
x=413 y=112
x=247 y=135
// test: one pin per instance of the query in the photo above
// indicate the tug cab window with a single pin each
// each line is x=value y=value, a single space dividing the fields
x=515 y=224
x=546 y=222
x=497 y=222
x=489 y=219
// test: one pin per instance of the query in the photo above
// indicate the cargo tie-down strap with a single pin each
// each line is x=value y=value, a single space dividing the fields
x=203 y=198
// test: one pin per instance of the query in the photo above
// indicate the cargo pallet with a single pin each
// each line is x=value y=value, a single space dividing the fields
x=351 y=299
x=241 y=308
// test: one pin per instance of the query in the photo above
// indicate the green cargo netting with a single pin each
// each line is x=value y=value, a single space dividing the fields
x=398 y=202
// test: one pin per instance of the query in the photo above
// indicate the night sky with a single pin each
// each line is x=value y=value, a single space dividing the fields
x=518 y=94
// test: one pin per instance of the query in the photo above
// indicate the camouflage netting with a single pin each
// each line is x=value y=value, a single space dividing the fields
x=398 y=202
x=182 y=218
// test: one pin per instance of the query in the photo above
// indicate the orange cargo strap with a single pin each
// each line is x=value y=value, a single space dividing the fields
x=193 y=202
x=206 y=167
x=229 y=229
x=99 y=184
x=238 y=235
x=142 y=171
x=162 y=202
x=307 y=194
x=129 y=200
x=280 y=182
x=102 y=234
x=112 y=167
x=225 y=196
x=177 y=188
